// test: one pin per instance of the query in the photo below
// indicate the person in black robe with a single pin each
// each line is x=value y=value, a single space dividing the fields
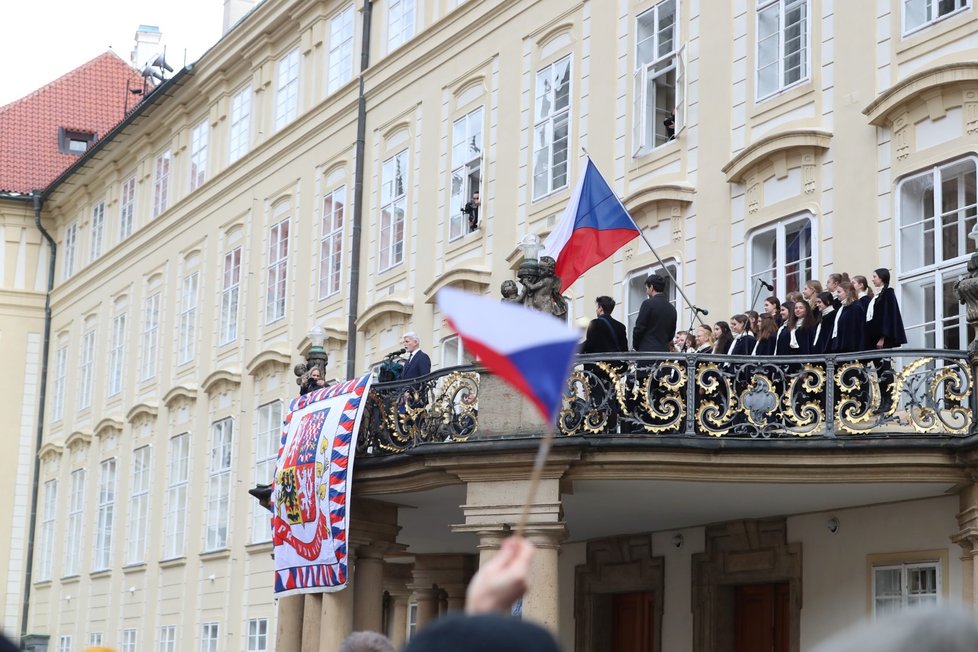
x=823 y=332
x=849 y=327
x=884 y=330
x=772 y=306
x=804 y=333
x=863 y=291
x=724 y=341
x=767 y=330
x=782 y=341
x=743 y=342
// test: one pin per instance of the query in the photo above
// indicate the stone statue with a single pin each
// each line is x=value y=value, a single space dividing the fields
x=542 y=291
x=510 y=292
x=966 y=290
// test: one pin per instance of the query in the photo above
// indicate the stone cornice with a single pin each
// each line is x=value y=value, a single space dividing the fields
x=678 y=192
x=460 y=277
x=140 y=409
x=218 y=377
x=78 y=438
x=781 y=141
x=188 y=392
x=384 y=307
x=50 y=448
x=108 y=423
x=910 y=89
x=273 y=357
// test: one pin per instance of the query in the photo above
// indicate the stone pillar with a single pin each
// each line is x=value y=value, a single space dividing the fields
x=427 y=601
x=967 y=538
x=396 y=579
x=336 y=621
x=288 y=632
x=541 y=601
x=312 y=616
x=368 y=600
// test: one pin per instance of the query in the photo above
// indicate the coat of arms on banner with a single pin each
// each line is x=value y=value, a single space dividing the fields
x=310 y=520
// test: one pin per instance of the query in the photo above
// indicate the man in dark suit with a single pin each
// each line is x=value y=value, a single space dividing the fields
x=418 y=363
x=656 y=321
x=605 y=334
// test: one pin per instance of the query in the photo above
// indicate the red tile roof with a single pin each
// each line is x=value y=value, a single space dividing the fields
x=91 y=98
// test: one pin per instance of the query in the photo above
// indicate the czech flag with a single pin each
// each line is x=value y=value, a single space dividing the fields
x=530 y=350
x=594 y=226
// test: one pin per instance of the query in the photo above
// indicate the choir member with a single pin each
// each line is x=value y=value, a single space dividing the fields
x=724 y=338
x=863 y=291
x=850 y=321
x=823 y=332
x=743 y=342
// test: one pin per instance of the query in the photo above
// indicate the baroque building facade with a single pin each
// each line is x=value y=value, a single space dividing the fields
x=274 y=185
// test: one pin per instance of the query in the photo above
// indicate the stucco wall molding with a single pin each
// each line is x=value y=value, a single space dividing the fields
x=218 y=377
x=475 y=279
x=894 y=100
x=186 y=392
x=677 y=192
x=385 y=307
x=754 y=154
x=142 y=409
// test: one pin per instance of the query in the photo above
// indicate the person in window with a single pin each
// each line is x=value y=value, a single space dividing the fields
x=724 y=338
x=670 y=124
x=471 y=209
x=767 y=330
x=823 y=332
x=884 y=323
x=863 y=291
x=850 y=321
x=418 y=363
x=742 y=342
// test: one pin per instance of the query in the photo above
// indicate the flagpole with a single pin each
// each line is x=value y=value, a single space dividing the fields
x=538 y=464
x=675 y=283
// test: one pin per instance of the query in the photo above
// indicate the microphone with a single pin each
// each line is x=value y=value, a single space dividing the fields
x=703 y=311
x=398 y=352
x=766 y=284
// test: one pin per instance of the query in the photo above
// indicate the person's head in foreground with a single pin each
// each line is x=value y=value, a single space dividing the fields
x=941 y=629
x=482 y=633
x=366 y=642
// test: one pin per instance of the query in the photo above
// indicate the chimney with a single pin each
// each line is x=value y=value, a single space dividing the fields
x=147 y=44
x=235 y=10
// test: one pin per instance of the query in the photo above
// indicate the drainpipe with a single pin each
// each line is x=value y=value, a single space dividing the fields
x=357 y=228
x=40 y=412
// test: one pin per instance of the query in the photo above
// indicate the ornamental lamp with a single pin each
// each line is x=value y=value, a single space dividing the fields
x=531 y=247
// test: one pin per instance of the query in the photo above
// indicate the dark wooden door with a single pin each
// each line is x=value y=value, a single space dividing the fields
x=632 y=622
x=761 y=618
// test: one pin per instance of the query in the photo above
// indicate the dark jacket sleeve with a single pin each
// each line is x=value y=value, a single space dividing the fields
x=641 y=324
x=887 y=322
x=622 y=336
x=591 y=337
x=424 y=364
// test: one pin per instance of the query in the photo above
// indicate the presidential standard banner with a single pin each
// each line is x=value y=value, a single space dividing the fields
x=310 y=519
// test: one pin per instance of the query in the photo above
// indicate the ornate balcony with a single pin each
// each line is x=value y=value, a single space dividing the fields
x=897 y=394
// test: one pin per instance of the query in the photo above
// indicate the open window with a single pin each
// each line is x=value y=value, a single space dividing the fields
x=660 y=78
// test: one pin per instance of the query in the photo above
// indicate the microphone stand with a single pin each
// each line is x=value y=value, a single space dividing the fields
x=757 y=292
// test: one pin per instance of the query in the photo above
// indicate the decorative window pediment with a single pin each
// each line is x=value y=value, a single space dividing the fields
x=50 y=452
x=773 y=149
x=78 y=439
x=671 y=192
x=180 y=393
x=268 y=361
x=108 y=427
x=220 y=379
x=386 y=308
x=142 y=411
x=471 y=279
x=936 y=89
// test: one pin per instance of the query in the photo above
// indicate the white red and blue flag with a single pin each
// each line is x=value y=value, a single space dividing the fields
x=594 y=226
x=530 y=350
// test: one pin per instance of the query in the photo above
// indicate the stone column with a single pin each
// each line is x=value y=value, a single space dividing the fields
x=312 y=616
x=288 y=632
x=396 y=578
x=368 y=600
x=336 y=621
x=541 y=602
x=967 y=538
x=427 y=601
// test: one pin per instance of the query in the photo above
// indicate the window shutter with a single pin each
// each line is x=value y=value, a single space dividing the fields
x=681 y=90
x=638 y=114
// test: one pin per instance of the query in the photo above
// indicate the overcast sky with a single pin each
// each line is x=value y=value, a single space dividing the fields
x=40 y=40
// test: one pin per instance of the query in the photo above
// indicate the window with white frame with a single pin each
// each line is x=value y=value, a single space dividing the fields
x=230 y=294
x=76 y=511
x=287 y=89
x=46 y=557
x=258 y=635
x=188 y=318
x=453 y=353
x=95 y=638
x=659 y=84
x=98 y=231
x=117 y=354
x=151 y=336
x=920 y=13
x=239 y=133
x=781 y=254
x=636 y=293
x=938 y=209
x=782 y=44
x=400 y=23
x=278 y=267
x=168 y=638
x=412 y=624
x=198 y=154
x=127 y=207
x=219 y=485
x=64 y=643
x=60 y=371
x=339 y=64
x=209 y=641
x=393 y=208
x=86 y=370
x=551 y=127
x=901 y=586
x=161 y=182
x=331 y=245
x=178 y=476
x=466 y=172
x=105 y=516
x=139 y=505
x=268 y=438
x=70 y=249
x=128 y=640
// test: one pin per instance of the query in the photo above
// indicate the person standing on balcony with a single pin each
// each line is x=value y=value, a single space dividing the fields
x=783 y=337
x=767 y=330
x=804 y=332
x=863 y=291
x=724 y=338
x=656 y=321
x=605 y=334
x=743 y=342
x=418 y=363
x=823 y=332
x=772 y=306
x=850 y=321
x=884 y=323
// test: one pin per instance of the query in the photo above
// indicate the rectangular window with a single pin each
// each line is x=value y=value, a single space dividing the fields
x=466 y=174
x=920 y=13
x=139 y=505
x=412 y=624
x=98 y=231
x=151 y=336
x=782 y=44
x=453 y=353
x=106 y=511
x=127 y=207
x=782 y=256
x=287 y=89
x=76 y=509
x=658 y=78
x=258 y=635
x=60 y=371
x=188 y=318
x=86 y=370
x=46 y=557
x=393 y=207
x=551 y=127
x=400 y=23
x=168 y=638
x=128 y=640
x=901 y=586
x=161 y=182
x=95 y=638
x=219 y=485
x=198 y=155
x=267 y=441
x=178 y=475
x=64 y=643
x=278 y=271
x=340 y=57
x=117 y=354
x=209 y=637
x=71 y=244
x=229 y=295
x=239 y=134
x=331 y=246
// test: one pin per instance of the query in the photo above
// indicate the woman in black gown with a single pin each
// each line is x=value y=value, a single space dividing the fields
x=884 y=330
x=849 y=327
x=782 y=341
